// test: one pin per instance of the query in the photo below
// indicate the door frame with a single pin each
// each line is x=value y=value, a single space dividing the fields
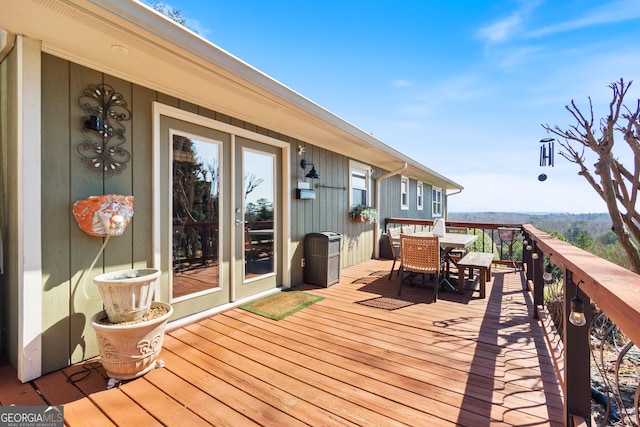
x=284 y=233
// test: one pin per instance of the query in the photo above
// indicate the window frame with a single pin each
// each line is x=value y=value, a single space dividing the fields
x=365 y=170
x=420 y=195
x=436 y=202
x=404 y=193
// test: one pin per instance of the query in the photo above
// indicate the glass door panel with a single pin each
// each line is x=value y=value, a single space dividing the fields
x=259 y=192
x=196 y=219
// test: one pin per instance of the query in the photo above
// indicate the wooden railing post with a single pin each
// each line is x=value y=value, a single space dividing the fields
x=577 y=375
x=538 y=281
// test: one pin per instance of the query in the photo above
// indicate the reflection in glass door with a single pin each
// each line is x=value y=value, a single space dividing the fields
x=196 y=217
x=259 y=213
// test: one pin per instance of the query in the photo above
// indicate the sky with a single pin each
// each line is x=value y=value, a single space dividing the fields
x=463 y=87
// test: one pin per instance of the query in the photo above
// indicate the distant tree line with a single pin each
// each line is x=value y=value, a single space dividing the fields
x=591 y=232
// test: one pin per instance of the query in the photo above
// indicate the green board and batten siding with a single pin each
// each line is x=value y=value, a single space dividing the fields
x=67 y=252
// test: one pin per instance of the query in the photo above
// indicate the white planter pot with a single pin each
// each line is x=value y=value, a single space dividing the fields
x=127 y=294
x=129 y=351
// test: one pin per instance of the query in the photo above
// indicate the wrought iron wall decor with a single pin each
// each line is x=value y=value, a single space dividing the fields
x=104 y=134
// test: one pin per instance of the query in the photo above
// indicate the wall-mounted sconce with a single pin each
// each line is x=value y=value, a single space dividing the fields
x=312 y=173
x=577 y=317
x=93 y=123
x=106 y=110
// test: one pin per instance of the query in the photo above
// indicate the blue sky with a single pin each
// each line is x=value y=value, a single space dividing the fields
x=462 y=87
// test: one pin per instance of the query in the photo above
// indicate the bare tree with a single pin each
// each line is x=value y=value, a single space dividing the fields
x=615 y=184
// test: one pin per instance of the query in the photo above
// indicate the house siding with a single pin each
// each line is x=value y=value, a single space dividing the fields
x=69 y=297
x=390 y=196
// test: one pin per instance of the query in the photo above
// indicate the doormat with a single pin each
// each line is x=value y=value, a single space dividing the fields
x=386 y=303
x=282 y=304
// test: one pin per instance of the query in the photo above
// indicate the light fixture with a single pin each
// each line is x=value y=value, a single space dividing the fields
x=93 y=123
x=547 y=276
x=577 y=317
x=312 y=173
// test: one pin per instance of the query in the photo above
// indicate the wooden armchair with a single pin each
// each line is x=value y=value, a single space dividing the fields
x=420 y=255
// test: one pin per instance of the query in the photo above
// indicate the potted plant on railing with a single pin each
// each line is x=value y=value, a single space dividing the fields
x=363 y=213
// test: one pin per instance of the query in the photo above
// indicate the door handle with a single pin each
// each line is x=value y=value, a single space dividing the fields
x=239 y=222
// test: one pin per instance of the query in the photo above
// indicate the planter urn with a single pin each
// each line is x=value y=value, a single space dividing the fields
x=130 y=349
x=127 y=294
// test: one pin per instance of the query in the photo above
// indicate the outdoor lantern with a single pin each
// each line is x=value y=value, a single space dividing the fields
x=312 y=173
x=547 y=276
x=93 y=123
x=577 y=317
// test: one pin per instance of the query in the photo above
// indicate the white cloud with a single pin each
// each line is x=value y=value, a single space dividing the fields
x=617 y=11
x=400 y=83
x=505 y=29
x=501 y=30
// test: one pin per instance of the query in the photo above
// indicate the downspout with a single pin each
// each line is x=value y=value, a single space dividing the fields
x=446 y=198
x=376 y=231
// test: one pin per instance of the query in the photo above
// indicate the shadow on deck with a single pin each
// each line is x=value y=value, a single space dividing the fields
x=361 y=356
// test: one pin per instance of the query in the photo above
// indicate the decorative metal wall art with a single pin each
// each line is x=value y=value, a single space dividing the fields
x=104 y=134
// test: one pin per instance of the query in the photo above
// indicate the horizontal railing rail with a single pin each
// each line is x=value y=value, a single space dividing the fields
x=491 y=230
x=613 y=289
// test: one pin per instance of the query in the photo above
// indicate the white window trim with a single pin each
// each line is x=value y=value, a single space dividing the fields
x=436 y=206
x=355 y=166
x=404 y=206
x=419 y=193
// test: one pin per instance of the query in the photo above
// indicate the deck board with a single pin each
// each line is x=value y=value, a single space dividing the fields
x=462 y=361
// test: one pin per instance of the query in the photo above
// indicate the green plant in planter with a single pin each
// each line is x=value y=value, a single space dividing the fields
x=362 y=213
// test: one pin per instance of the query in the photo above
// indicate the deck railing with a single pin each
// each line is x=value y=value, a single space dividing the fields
x=613 y=289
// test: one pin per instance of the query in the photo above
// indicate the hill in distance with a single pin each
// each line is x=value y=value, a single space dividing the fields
x=593 y=223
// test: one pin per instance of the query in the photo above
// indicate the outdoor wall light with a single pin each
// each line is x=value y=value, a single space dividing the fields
x=547 y=276
x=92 y=123
x=312 y=173
x=577 y=317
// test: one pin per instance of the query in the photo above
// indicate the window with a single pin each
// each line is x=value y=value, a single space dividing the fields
x=404 y=193
x=436 y=201
x=420 y=196
x=360 y=184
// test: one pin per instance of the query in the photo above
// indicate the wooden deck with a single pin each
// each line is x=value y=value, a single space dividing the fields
x=462 y=361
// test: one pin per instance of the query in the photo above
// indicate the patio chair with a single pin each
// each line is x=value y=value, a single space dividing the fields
x=457 y=230
x=420 y=255
x=394 y=241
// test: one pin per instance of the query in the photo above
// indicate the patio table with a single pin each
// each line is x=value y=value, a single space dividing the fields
x=448 y=243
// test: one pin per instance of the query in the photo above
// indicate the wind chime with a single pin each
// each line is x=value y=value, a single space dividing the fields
x=546 y=155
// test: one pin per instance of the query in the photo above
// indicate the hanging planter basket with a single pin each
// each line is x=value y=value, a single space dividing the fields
x=360 y=218
x=363 y=214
